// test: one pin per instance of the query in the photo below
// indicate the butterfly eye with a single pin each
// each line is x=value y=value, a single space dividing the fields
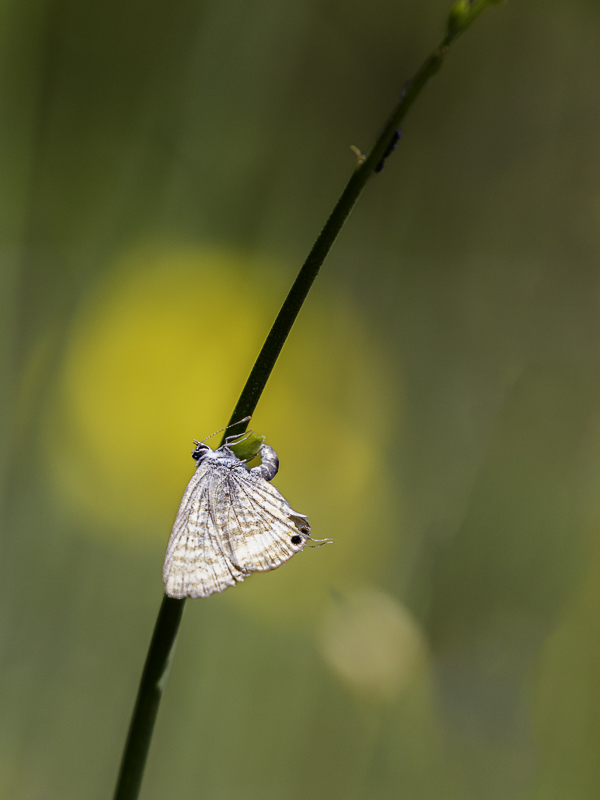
x=199 y=450
x=296 y=539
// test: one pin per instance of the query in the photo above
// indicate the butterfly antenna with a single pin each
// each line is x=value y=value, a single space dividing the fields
x=239 y=422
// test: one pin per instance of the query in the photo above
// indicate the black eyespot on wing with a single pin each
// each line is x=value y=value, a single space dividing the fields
x=296 y=539
x=305 y=529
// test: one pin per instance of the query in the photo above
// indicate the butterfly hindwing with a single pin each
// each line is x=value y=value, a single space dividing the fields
x=257 y=524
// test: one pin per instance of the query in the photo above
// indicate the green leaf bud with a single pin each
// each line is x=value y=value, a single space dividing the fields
x=458 y=15
x=247 y=446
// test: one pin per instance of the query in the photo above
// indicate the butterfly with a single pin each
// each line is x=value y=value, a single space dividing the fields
x=231 y=522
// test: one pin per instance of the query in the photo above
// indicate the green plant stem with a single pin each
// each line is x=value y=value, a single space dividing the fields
x=149 y=694
x=275 y=340
x=169 y=617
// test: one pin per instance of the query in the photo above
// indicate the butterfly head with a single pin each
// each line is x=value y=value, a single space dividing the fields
x=200 y=451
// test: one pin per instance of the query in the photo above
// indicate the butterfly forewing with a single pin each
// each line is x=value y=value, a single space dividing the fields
x=195 y=565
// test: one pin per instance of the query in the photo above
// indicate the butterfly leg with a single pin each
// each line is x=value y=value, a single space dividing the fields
x=269 y=463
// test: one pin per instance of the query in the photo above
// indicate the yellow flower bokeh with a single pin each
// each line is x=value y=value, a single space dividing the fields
x=158 y=356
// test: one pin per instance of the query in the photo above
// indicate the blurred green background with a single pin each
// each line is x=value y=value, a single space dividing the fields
x=165 y=167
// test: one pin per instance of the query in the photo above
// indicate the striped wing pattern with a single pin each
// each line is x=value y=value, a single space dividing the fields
x=231 y=522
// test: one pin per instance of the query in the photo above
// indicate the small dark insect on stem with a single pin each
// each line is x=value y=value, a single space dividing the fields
x=390 y=149
x=154 y=675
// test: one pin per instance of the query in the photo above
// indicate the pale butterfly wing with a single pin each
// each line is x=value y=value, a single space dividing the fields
x=231 y=522
x=195 y=565
x=260 y=530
